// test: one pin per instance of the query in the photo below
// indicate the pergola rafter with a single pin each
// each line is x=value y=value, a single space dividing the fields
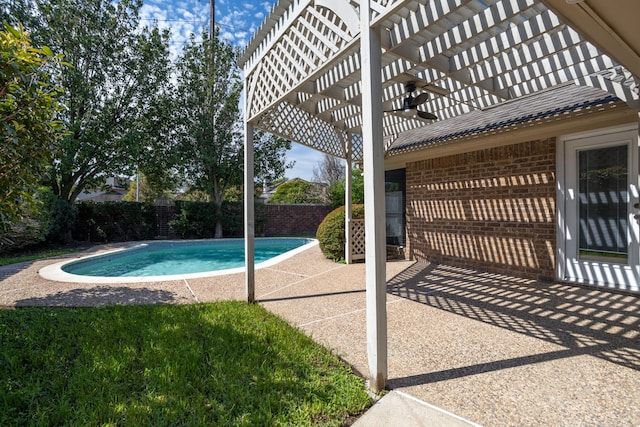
x=321 y=72
x=479 y=52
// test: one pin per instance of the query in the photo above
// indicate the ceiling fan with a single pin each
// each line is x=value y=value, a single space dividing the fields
x=411 y=103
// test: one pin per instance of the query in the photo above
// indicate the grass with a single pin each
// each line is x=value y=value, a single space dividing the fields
x=225 y=363
x=13 y=259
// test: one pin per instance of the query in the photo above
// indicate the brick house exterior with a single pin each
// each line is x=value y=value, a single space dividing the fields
x=491 y=209
x=482 y=188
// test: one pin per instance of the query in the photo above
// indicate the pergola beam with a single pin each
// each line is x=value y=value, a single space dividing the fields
x=348 y=208
x=249 y=215
x=374 y=198
x=310 y=78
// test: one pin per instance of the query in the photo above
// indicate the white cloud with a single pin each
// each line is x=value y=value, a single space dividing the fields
x=306 y=159
x=238 y=22
x=182 y=18
x=226 y=35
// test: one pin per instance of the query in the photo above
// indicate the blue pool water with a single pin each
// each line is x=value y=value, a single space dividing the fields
x=170 y=258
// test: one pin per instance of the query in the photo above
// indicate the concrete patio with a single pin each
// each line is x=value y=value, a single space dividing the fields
x=492 y=349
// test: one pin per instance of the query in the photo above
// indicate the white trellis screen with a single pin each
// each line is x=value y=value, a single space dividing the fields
x=303 y=65
x=356 y=228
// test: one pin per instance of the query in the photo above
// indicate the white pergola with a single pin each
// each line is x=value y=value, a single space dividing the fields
x=323 y=72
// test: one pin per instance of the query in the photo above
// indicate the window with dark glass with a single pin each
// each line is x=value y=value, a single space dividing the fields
x=395 y=206
x=602 y=202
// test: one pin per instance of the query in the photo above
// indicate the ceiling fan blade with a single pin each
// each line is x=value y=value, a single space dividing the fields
x=427 y=116
x=420 y=99
x=394 y=111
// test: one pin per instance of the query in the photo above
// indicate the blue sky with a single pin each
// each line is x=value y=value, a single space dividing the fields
x=237 y=21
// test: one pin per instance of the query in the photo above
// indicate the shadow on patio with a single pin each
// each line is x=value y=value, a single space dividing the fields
x=585 y=321
x=101 y=296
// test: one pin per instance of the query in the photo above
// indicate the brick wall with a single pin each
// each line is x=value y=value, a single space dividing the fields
x=292 y=220
x=491 y=210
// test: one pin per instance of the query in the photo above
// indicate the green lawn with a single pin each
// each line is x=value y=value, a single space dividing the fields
x=220 y=364
x=12 y=259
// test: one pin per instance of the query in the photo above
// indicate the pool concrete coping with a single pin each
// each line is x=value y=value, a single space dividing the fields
x=492 y=349
x=56 y=273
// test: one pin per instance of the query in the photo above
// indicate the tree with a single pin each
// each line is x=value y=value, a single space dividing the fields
x=209 y=138
x=337 y=191
x=209 y=135
x=28 y=127
x=297 y=191
x=144 y=191
x=119 y=74
x=156 y=160
x=269 y=157
x=330 y=170
x=17 y=12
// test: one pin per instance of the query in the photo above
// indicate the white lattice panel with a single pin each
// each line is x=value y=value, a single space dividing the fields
x=298 y=125
x=314 y=37
x=357 y=238
x=304 y=74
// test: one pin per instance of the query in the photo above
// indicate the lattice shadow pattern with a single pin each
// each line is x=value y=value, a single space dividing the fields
x=598 y=322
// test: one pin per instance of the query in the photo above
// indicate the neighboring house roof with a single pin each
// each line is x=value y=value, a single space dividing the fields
x=112 y=195
x=538 y=107
x=115 y=189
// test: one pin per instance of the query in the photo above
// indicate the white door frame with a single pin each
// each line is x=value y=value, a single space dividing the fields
x=565 y=201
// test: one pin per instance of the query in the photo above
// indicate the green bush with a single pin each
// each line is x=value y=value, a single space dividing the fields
x=47 y=219
x=297 y=191
x=115 y=221
x=232 y=219
x=337 y=190
x=194 y=220
x=331 y=232
x=27 y=232
x=57 y=216
x=197 y=220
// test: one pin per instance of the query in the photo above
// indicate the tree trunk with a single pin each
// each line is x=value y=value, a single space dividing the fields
x=218 y=231
x=217 y=201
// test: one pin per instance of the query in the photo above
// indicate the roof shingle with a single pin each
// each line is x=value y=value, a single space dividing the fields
x=549 y=103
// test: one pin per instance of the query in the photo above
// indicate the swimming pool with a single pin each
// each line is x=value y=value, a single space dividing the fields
x=173 y=260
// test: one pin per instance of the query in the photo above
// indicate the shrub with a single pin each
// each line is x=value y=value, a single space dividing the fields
x=232 y=219
x=197 y=220
x=27 y=232
x=115 y=221
x=194 y=220
x=29 y=128
x=297 y=192
x=337 y=190
x=49 y=219
x=57 y=217
x=331 y=232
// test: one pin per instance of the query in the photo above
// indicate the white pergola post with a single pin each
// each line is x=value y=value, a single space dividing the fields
x=249 y=213
x=348 y=211
x=373 y=163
